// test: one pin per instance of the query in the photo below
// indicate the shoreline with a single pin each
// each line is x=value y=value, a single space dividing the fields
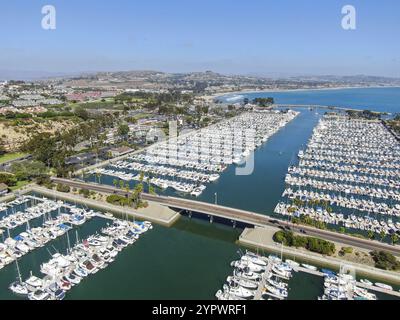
x=244 y=91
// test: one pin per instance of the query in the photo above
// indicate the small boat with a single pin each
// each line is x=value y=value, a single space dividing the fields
x=19 y=288
x=364 y=294
x=80 y=272
x=254 y=259
x=33 y=283
x=243 y=283
x=292 y=263
x=109 y=215
x=39 y=295
x=247 y=265
x=247 y=275
x=367 y=282
x=328 y=272
x=73 y=279
x=239 y=292
x=383 y=286
x=309 y=267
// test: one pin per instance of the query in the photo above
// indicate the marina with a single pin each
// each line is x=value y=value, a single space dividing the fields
x=366 y=199
x=188 y=164
x=257 y=277
x=34 y=237
x=158 y=152
x=46 y=222
x=154 y=256
x=62 y=272
x=208 y=242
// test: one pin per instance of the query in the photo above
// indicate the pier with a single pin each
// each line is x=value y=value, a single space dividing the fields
x=261 y=290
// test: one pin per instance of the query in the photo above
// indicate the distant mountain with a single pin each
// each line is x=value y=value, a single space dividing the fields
x=30 y=75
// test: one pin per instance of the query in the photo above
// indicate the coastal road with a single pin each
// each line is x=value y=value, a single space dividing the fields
x=233 y=214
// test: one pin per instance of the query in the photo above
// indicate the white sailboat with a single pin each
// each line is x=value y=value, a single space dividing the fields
x=18 y=286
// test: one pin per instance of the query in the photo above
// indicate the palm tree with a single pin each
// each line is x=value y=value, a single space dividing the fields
x=152 y=190
x=115 y=182
x=84 y=174
x=127 y=187
x=148 y=181
x=383 y=235
x=371 y=234
x=121 y=184
x=141 y=177
x=98 y=175
x=395 y=238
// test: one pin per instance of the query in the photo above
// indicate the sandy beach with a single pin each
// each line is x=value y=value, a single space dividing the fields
x=241 y=92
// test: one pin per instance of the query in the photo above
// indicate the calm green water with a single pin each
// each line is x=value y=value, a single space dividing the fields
x=33 y=260
x=187 y=262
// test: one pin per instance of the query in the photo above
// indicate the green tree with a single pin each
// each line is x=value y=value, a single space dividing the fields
x=3 y=150
x=115 y=183
x=152 y=190
x=26 y=170
x=123 y=130
x=98 y=175
x=371 y=234
x=395 y=238
x=82 y=113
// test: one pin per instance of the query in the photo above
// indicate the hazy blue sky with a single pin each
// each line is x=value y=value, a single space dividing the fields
x=229 y=36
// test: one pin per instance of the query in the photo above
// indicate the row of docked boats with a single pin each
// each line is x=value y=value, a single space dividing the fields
x=353 y=166
x=62 y=272
x=20 y=217
x=170 y=172
x=381 y=181
x=364 y=223
x=348 y=202
x=178 y=186
x=16 y=202
x=257 y=277
x=334 y=186
x=55 y=224
x=344 y=287
x=189 y=162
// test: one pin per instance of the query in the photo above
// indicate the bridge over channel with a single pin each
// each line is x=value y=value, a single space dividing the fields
x=238 y=215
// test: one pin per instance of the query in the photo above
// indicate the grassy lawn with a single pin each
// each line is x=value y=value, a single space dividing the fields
x=142 y=116
x=98 y=105
x=19 y=185
x=11 y=156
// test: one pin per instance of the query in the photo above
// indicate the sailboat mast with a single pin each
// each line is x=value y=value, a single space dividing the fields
x=19 y=272
x=69 y=244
